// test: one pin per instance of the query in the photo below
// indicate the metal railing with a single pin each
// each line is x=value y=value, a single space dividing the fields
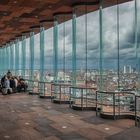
x=115 y=104
x=137 y=111
x=33 y=86
x=82 y=96
x=60 y=91
x=44 y=88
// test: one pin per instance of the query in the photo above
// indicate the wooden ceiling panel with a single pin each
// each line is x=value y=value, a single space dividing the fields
x=4 y=2
x=17 y=16
x=30 y=20
x=2 y=25
x=63 y=9
x=5 y=8
x=46 y=12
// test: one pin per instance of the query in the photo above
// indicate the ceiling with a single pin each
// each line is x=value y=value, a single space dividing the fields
x=18 y=17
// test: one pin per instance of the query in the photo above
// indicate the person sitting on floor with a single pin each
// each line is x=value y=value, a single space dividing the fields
x=6 y=89
x=9 y=74
x=2 y=81
x=13 y=84
x=22 y=85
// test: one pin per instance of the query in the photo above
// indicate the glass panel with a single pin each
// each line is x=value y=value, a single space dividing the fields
x=110 y=49
x=20 y=58
x=63 y=32
x=31 y=54
x=23 y=55
x=42 y=53
x=37 y=57
x=49 y=55
x=27 y=64
x=138 y=44
x=17 y=57
x=127 y=47
x=86 y=61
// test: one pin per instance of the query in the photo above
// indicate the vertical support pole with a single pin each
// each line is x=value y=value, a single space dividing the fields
x=118 y=43
x=17 y=57
x=118 y=48
x=14 y=70
x=8 y=57
x=31 y=56
x=23 y=55
x=74 y=51
x=42 y=37
x=3 y=56
x=4 y=61
x=101 y=52
x=74 y=48
x=0 y=62
x=64 y=49
x=42 y=41
x=55 y=49
x=11 y=56
x=136 y=45
x=101 y=47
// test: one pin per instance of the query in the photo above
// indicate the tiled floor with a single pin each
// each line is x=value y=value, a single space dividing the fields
x=27 y=117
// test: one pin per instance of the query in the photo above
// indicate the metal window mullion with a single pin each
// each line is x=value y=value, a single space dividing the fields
x=7 y=59
x=136 y=45
x=55 y=49
x=8 y=56
x=4 y=56
x=74 y=48
x=101 y=47
x=17 y=56
x=11 y=56
x=31 y=55
x=42 y=41
x=0 y=61
x=23 y=55
x=101 y=52
x=3 y=59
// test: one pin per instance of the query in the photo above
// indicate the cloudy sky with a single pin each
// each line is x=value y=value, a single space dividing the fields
x=90 y=44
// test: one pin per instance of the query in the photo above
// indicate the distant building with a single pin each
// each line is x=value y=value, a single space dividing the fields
x=127 y=69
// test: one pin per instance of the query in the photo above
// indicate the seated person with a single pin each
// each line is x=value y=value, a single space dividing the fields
x=2 y=81
x=6 y=89
x=22 y=85
x=12 y=84
x=9 y=74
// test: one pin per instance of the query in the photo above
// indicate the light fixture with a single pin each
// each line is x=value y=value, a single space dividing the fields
x=5 y=13
x=49 y=107
x=64 y=127
x=107 y=128
x=6 y=137
x=50 y=6
x=15 y=1
x=27 y=123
